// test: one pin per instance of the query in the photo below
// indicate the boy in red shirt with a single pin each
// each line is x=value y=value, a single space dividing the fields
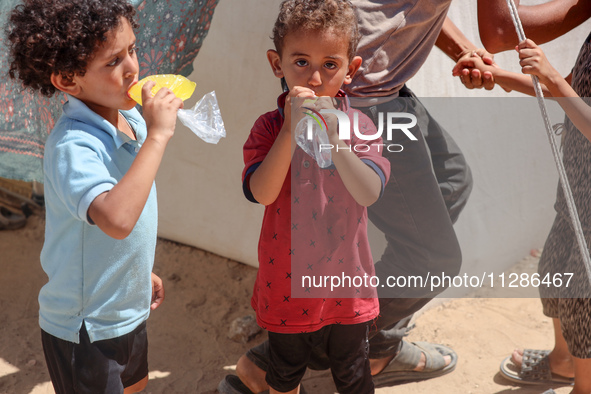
x=315 y=220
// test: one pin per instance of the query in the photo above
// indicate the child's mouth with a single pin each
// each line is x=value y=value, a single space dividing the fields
x=129 y=88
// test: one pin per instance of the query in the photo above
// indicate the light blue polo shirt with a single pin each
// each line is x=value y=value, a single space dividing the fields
x=93 y=278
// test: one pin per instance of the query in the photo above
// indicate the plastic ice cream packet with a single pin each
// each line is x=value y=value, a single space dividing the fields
x=311 y=137
x=204 y=119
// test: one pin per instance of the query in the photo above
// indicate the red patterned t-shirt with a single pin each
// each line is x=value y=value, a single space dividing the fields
x=315 y=264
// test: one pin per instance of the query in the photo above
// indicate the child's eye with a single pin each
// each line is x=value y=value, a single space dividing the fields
x=330 y=65
x=113 y=63
x=301 y=63
x=132 y=50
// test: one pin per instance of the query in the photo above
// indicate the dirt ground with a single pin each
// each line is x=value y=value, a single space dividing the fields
x=189 y=346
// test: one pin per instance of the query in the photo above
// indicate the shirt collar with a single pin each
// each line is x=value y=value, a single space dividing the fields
x=77 y=110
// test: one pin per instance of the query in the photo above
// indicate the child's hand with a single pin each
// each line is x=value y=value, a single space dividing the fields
x=296 y=92
x=471 y=76
x=321 y=103
x=160 y=111
x=157 y=291
x=534 y=62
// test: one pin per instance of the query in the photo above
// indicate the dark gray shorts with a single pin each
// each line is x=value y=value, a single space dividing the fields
x=346 y=347
x=106 y=366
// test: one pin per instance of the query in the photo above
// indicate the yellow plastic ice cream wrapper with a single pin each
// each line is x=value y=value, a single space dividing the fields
x=182 y=87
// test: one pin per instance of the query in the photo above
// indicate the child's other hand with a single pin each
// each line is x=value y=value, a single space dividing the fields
x=160 y=111
x=534 y=62
x=157 y=291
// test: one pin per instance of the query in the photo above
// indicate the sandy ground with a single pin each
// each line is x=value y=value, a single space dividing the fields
x=189 y=346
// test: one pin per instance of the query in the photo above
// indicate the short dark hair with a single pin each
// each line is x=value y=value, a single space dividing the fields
x=59 y=37
x=297 y=15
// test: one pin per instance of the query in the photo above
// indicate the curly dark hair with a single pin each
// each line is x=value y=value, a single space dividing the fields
x=297 y=15
x=59 y=37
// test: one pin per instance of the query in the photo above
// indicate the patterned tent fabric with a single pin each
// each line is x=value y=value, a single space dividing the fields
x=170 y=35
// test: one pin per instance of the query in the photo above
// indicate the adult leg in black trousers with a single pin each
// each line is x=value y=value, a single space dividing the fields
x=429 y=185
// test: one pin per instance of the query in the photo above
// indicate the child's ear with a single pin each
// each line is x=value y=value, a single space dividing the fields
x=64 y=84
x=353 y=67
x=275 y=62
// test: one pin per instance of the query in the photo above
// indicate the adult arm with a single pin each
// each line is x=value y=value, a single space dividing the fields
x=541 y=23
x=533 y=61
x=457 y=46
x=508 y=80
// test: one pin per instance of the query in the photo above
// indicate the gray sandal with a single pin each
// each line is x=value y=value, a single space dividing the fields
x=400 y=369
x=535 y=369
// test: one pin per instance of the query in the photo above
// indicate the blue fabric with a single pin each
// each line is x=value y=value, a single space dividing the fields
x=169 y=37
x=92 y=277
x=378 y=171
x=245 y=186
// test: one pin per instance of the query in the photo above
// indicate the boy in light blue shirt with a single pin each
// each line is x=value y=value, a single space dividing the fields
x=101 y=216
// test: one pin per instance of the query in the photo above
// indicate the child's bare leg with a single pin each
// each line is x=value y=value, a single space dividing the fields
x=294 y=391
x=561 y=361
x=251 y=375
x=582 y=376
x=136 y=388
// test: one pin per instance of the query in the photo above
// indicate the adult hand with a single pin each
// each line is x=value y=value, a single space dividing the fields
x=473 y=78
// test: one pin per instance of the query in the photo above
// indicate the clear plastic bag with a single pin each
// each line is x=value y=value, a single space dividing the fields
x=204 y=119
x=313 y=146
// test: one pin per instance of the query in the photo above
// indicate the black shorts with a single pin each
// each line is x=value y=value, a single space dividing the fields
x=106 y=366
x=346 y=346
